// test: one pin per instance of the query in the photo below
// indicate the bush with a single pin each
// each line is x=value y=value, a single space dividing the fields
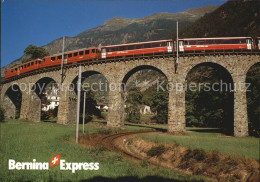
x=156 y=151
x=2 y=115
x=133 y=103
x=196 y=154
x=44 y=115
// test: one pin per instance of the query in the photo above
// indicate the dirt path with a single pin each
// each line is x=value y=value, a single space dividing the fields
x=118 y=143
x=172 y=159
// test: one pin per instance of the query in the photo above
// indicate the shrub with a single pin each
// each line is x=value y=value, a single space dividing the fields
x=2 y=115
x=156 y=151
x=196 y=154
x=44 y=115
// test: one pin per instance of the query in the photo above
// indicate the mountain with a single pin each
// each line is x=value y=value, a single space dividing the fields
x=234 y=18
x=123 y=30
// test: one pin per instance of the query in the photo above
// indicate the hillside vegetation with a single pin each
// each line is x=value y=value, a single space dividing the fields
x=234 y=18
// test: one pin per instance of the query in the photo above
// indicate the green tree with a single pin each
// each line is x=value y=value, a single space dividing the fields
x=35 y=52
x=133 y=105
x=91 y=103
x=253 y=100
x=159 y=104
x=209 y=108
x=2 y=114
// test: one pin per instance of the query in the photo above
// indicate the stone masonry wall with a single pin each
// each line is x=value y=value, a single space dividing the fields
x=115 y=73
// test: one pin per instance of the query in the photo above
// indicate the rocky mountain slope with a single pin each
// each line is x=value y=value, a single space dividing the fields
x=234 y=18
x=123 y=30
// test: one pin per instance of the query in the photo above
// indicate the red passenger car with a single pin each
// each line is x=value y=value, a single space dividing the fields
x=23 y=68
x=218 y=44
x=72 y=56
x=141 y=48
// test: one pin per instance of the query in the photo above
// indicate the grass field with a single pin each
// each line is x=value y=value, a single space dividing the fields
x=25 y=141
x=204 y=138
x=237 y=146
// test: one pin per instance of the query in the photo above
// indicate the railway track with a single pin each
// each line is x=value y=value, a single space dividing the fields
x=109 y=143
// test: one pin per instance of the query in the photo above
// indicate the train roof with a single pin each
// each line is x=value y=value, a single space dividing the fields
x=216 y=38
x=136 y=43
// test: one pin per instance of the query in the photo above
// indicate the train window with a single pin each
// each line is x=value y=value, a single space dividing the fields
x=209 y=42
x=93 y=50
x=121 y=48
x=86 y=51
x=20 y=67
x=15 y=69
x=243 y=41
x=131 y=47
x=103 y=50
x=59 y=57
x=70 y=55
x=157 y=45
x=32 y=63
x=226 y=41
x=12 y=71
x=25 y=66
x=192 y=42
x=154 y=45
x=147 y=45
x=218 y=41
x=113 y=49
x=40 y=62
x=43 y=60
x=81 y=53
x=52 y=58
x=65 y=56
x=75 y=54
x=28 y=64
x=139 y=46
x=200 y=42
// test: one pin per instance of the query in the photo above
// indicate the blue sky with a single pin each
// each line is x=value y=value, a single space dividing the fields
x=39 y=22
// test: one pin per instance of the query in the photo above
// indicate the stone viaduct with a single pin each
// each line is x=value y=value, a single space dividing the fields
x=237 y=65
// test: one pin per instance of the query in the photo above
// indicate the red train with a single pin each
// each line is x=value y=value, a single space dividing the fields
x=219 y=44
x=135 y=49
x=141 y=48
x=54 y=60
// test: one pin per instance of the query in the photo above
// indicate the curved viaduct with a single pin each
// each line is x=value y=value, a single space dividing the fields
x=117 y=71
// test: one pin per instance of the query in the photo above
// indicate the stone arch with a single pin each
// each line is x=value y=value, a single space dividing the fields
x=252 y=97
x=12 y=100
x=38 y=93
x=96 y=87
x=86 y=74
x=192 y=65
x=227 y=85
x=126 y=77
x=130 y=72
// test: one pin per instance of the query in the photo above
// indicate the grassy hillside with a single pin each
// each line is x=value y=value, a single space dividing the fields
x=25 y=141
